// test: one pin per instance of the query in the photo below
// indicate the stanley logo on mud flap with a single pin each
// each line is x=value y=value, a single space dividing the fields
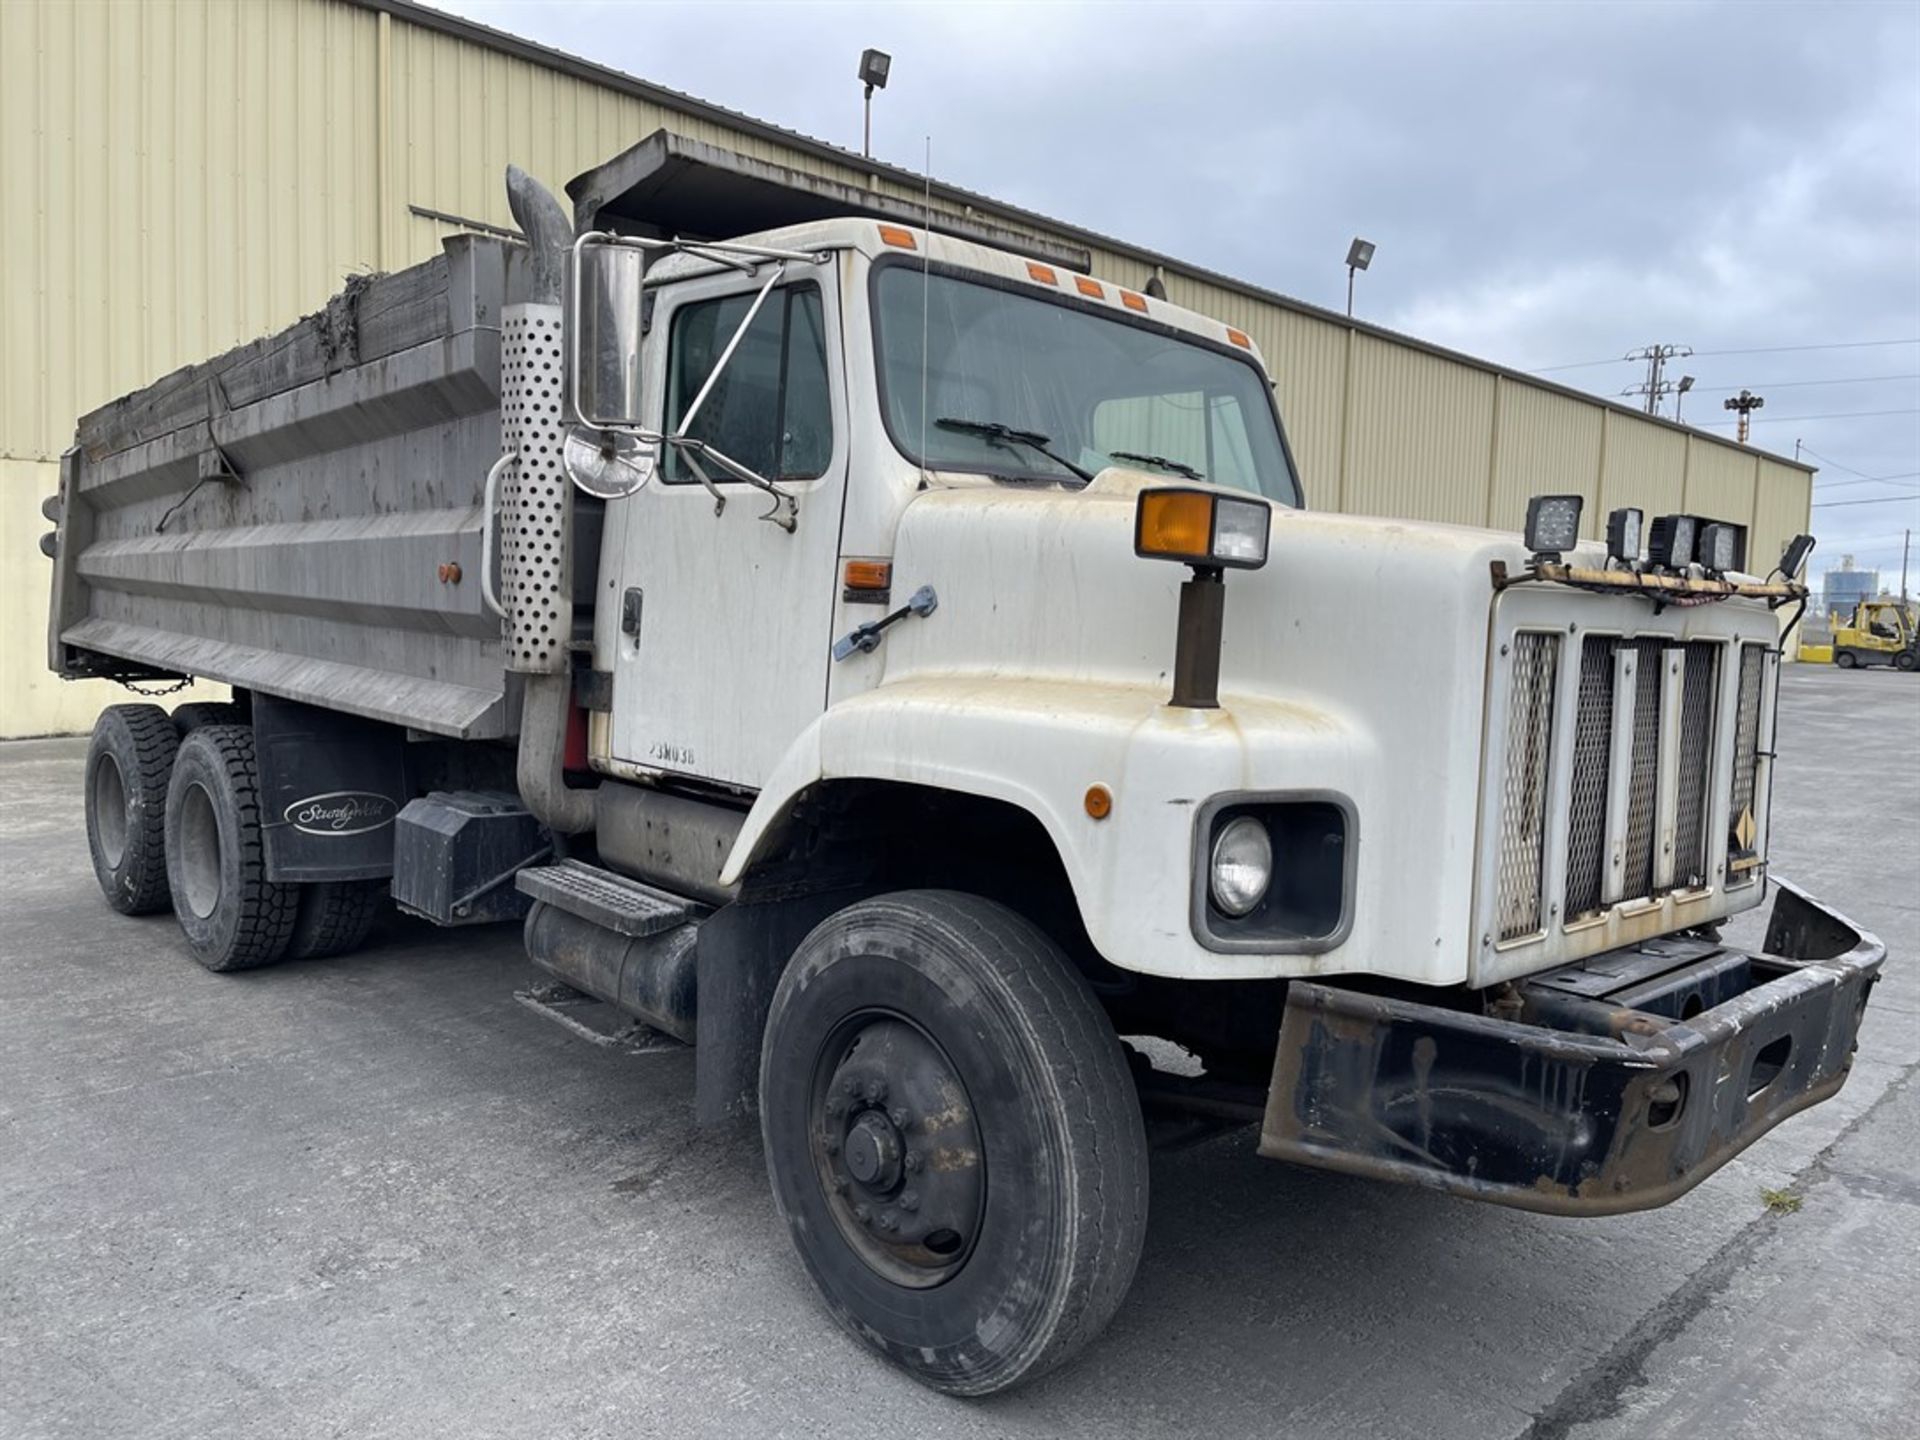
x=342 y=812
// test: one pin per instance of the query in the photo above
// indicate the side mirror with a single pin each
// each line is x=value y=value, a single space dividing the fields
x=605 y=324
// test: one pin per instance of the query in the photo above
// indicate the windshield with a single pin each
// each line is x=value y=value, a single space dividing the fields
x=1020 y=386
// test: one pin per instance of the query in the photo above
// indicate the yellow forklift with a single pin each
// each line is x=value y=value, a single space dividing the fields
x=1880 y=632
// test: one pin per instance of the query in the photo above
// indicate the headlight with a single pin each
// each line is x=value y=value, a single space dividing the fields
x=1241 y=866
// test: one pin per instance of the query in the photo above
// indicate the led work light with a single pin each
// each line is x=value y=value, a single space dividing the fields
x=1625 y=527
x=1717 y=546
x=1670 y=542
x=1794 y=558
x=1553 y=525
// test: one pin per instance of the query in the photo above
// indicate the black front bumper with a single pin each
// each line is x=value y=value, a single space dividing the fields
x=1615 y=1084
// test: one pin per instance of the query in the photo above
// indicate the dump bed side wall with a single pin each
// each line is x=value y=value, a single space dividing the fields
x=303 y=516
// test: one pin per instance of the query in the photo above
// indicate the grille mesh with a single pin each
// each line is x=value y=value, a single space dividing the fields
x=1523 y=789
x=1644 y=772
x=1697 y=710
x=1746 y=756
x=1587 y=811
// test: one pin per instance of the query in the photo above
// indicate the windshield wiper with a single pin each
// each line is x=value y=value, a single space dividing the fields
x=1006 y=435
x=1159 y=462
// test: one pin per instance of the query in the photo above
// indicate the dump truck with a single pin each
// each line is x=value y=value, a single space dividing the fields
x=1879 y=632
x=873 y=650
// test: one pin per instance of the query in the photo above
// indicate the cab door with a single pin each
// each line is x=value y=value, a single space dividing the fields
x=723 y=645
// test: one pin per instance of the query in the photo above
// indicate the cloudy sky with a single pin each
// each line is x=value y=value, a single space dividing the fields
x=1549 y=185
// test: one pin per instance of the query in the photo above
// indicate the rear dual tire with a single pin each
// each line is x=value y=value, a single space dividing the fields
x=129 y=762
x=233 y=916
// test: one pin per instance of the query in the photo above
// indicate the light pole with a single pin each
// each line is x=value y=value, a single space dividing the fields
x=1746 y=402
x=1359 y=257
x=1679 y=394
x=874 y=65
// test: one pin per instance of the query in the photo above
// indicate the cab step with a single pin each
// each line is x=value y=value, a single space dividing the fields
x=619 y=940
x=613 y=902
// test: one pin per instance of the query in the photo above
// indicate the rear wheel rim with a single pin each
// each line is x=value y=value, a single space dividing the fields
x=110 y=810
x=897 y=1148
x=199 y=851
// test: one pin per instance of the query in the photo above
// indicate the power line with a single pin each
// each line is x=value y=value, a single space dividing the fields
x=1830 y=415
x=1881 y=500
x=1787 y=349
x=1759 y=350
x=1796 y=384
x=1835 y=464
x=1871 y=480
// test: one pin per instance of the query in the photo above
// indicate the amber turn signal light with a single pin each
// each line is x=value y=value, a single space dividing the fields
x=1199 y=527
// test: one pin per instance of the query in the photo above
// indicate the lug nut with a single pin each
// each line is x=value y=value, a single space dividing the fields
x=833 y=1146
x=909 y=1200
x=877 y=1092
x=889 y=1221
x=839 y=1184
x=899 y=1117
x=913 y=1160
x=836 y=1107
x=850 y=1087
x=863 y=1215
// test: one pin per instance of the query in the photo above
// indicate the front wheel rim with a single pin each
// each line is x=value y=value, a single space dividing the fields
x=897 y=1149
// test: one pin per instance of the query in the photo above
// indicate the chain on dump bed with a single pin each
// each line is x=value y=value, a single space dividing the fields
x=536 y=589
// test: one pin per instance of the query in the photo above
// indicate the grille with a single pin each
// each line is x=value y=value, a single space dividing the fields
x=1643 y=777
x=1587 y=812
x=1746 y=760
x=1523 y=788
x=1696 y=751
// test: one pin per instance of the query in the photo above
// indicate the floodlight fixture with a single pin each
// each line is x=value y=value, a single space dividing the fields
x=874 y=65
x=1359 y=257
x=1794 y=558
x=1553 y=525
x=1670 y=542
x=1719 y=546
x=1625 y=528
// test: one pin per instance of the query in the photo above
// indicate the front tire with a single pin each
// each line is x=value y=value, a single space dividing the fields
x=1906 y=660
x=954 y=1138
x=1845 y=659
x=129 y=761
x=233 y=916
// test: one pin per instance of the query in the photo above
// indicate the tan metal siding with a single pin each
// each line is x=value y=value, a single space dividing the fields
x=1645 y=465
x=1545 y=444
x=1420 y=436
x=1719 y=482
x=179 y=176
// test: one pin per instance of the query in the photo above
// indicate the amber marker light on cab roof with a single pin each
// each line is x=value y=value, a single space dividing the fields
x=894 y=235
x=1239 y=337
x=1133 y=301
x=1043 y=273
x=1090 y=288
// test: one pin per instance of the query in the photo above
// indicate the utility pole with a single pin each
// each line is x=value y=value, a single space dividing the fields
x=1746 y=402
x=1656 y=356
x=1905 y=544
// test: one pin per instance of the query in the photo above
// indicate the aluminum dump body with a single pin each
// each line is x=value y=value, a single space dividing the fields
x=302 y=516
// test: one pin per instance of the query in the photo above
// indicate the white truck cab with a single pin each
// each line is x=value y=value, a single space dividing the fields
x=902 y=667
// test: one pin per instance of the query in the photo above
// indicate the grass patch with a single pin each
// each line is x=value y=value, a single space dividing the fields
x=1780 y=1202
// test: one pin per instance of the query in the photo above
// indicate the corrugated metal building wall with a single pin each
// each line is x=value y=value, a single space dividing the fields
x=180 y=176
